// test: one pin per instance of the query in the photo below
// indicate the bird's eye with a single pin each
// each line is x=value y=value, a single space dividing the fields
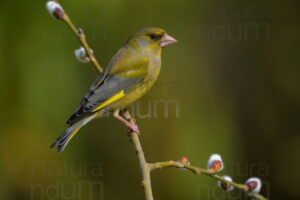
x=155 y=37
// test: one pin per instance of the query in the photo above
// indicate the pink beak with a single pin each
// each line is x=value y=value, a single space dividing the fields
x=167 y=40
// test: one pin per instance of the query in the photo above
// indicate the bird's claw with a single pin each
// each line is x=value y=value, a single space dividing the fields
x=133 y=128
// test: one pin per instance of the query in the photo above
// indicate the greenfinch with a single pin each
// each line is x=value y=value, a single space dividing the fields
x=129 y=75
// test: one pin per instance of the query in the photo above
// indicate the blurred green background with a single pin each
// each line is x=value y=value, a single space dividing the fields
x=232 y=84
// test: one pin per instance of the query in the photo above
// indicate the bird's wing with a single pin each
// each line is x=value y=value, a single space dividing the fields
x=112 y=85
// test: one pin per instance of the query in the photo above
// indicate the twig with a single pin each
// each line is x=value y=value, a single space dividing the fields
x=146 y=168
x=197 y=170
x=81 y=37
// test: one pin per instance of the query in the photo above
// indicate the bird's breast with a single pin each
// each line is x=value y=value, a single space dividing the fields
x=153 y=69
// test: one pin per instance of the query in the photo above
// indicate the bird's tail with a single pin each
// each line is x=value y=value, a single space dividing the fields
x=69 y=133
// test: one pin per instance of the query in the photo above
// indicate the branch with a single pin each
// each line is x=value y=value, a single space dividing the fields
x=57 y=11
x=145 y=167
x=208 y=172
x=81 y=37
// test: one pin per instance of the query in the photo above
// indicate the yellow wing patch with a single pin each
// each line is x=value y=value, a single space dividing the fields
x=74 y=132
x=110 y=100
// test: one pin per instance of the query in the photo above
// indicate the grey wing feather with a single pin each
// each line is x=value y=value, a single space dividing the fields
x=82 y=110
x=110 y=86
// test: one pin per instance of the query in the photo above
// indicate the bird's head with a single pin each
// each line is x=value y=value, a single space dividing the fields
x=151 y=40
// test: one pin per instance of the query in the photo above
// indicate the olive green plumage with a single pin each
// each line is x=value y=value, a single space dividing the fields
x=128 y=76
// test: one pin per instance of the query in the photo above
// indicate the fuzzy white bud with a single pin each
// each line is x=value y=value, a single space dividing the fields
x=254 y=184
x=81 y=55
x=226 y=186
x=215 y=163
x=55 y=9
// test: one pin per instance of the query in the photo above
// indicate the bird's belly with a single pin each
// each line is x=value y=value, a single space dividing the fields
x=130 y=97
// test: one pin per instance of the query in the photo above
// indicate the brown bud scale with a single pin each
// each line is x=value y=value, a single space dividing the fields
x=184 y=159
x=58 y=13
x=252 y=185
x=217 y=165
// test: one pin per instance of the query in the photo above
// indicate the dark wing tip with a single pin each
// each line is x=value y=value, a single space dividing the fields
x=72 y=118
x=78 y=115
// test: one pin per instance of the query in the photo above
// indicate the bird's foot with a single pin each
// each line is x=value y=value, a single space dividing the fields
x=133 y=128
